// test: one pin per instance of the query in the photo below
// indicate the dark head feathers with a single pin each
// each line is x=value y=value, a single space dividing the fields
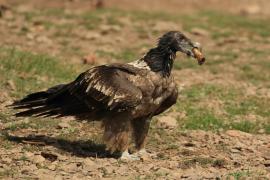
x=174 y=40
x=161 y=58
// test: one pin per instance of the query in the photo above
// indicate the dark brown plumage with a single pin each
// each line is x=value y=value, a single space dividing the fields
x=123 y=96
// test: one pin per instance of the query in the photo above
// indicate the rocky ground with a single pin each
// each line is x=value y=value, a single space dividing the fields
x=219 y=129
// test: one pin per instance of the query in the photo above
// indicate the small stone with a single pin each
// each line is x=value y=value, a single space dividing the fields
x=188 y=174
x=176 y=175
x=167 y=122
x=30 y=36
x=199 y=32
x=145 y=157
x=44 y=39
x=92 y=36
x=251 y=9
x=1 y=126
x=163 y=171
x=11 y=84
x=267 y=163
x=230 y=177
x=233 y=150
x=58 y=177
x=28 y=154
x=266 y=155
x=38 y=159
x=208 y=175
x=71 y=168
x=106 y=29
x=63 y=125
x=7 y=14
x=29 y=169
x=236 y=133
x=89 y=59
x=45 y=174
x=52 y=167
x=7 y=160
x=261 y=131
x=4 y=97
x=89 y=164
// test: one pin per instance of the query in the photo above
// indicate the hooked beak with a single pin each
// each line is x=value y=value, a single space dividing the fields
x=194 y=50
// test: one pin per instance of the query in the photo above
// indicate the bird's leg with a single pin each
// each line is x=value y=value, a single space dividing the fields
x=140 y=130
x=116 y=133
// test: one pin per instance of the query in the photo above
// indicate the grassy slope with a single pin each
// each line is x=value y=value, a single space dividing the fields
x=30 y=72
x=23 y=72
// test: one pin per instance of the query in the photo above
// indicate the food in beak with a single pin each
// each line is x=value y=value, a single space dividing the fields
x=198 y=55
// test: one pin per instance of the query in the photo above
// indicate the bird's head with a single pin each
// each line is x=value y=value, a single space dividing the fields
x=176 y=41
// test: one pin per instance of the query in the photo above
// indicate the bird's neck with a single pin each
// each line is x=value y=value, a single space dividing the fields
x=160 y=60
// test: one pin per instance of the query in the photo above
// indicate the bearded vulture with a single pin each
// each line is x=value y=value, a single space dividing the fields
x=124 y=97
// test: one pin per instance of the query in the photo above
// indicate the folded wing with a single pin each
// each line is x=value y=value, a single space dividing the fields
x=102 y=88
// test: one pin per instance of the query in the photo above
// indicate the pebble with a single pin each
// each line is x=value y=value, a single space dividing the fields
x=167 y=122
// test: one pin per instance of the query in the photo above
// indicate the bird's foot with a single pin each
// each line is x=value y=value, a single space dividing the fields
x=142 y=152
x=139 y=155
x=144 y=155
x=126 y=156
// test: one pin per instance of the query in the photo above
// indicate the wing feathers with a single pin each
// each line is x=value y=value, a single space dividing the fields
x=99 y=89
x=109 y=86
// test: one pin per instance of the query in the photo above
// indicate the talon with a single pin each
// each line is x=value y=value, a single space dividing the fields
x=129 y=157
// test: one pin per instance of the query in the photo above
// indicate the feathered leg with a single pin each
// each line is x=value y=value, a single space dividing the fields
x=116 y=133
x=140 y=130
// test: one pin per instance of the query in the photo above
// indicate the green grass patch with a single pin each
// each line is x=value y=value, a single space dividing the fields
x=3 y=117
x=31 y=72
x=221 y=57
x=209 y=20
x=16 y=126
x=185 y=63
x=240 y=174
x=202 y=119
x=227 y=24
x=202 y=161
x=127 y=55
x=51 y=12
x=218 y=23
x=245 y=126
x=6 y=174
x=257 y=74
x=248 y=105
x=199 y=91
x=267 y=128
x=6 y=144
x=34 y=123
x=236 y=106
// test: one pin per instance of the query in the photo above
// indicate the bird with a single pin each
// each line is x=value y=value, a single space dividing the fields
x=123 y=96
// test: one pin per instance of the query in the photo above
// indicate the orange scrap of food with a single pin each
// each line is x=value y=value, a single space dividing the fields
x=198 y=55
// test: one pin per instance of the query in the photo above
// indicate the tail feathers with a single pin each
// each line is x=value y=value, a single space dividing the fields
x=35 y=112
x=33 y=97
x=56 y=101
x=42 y=103
x=30 y=104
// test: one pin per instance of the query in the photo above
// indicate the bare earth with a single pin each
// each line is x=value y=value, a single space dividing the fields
x=67 y=149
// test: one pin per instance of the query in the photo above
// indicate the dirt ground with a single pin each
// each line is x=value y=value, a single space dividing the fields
x=233 y=86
